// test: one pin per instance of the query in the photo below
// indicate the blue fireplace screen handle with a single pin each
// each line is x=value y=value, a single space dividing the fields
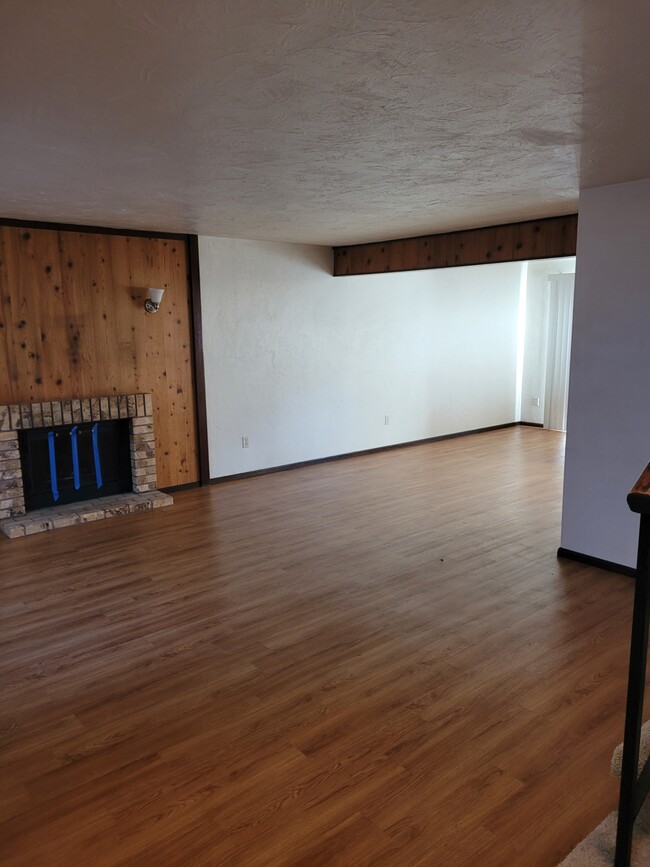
x=74 y=445
x=55 y=488
x=98 y=466
x=75 y=458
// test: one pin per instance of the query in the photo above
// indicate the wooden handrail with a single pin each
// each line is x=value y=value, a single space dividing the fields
x=635 y=786
x=639 y=497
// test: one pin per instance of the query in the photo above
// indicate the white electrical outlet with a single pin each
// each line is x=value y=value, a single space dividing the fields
x=386 y=419
x=244 y=442
x=535 y=401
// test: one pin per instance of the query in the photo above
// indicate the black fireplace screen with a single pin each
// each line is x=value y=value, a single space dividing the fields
x=76 y=462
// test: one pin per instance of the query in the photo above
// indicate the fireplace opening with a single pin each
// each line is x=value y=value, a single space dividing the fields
x=75 y=462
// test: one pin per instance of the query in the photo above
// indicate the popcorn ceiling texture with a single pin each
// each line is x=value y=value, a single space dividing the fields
x=318 y=121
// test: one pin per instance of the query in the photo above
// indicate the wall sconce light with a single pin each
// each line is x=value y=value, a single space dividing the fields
x=152 y=302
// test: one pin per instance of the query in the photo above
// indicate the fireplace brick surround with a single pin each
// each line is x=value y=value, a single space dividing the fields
x=138 y=408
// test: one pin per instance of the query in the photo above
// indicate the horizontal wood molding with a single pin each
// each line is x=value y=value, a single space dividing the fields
x=510 y=242
x=77 y=227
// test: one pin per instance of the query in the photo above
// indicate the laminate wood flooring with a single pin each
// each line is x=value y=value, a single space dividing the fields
x=376 y=661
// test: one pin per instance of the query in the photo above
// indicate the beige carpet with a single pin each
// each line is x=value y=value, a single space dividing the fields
x=598 y=848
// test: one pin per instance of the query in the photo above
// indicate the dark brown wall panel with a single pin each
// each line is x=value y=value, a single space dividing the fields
x=511 y=242
x=72 y=324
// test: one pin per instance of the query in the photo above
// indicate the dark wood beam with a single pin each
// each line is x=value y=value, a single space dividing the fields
x=510 y=242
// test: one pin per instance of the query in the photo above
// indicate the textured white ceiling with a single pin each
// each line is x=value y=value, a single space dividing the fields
x=325 y=121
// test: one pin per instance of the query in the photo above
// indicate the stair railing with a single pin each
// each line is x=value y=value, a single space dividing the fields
x=634 y=785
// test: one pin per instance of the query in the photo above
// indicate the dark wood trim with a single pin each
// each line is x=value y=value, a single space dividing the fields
x=280 y=469
x=531 y=424
x=101 y=230
x=173 y=489
x=197 y=352
x=510 y=242
x=568 y=554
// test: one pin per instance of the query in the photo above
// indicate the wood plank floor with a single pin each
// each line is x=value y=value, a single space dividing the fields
x=374 y=661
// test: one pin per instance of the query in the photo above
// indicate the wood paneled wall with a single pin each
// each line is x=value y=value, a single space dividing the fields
x=73 y=324
x=511 y=242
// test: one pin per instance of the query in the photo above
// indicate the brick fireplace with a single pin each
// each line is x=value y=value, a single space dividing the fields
x=15 y=521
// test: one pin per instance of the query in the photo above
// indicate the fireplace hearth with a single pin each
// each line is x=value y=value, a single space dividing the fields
x=70 y=462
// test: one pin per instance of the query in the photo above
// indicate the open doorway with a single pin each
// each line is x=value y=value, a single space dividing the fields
x=546 y=342
x=558 y=350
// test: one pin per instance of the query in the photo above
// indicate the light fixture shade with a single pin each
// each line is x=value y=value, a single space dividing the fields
x=153 y=299
x=156 y=295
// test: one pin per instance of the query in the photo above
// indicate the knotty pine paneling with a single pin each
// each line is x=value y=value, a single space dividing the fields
x=511 y=242
x=73 y=324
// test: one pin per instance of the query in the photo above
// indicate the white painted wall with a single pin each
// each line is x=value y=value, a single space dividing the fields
x=608 y=438
x=536 y=335
x=308 y=366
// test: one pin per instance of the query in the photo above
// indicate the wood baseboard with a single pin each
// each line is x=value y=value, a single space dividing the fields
x=280 y=469
x=568 y=554
x=184 y=487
